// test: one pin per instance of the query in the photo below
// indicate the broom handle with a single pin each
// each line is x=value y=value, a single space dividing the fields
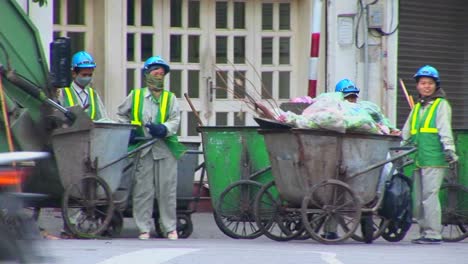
x=200 y=123
x=409 y=98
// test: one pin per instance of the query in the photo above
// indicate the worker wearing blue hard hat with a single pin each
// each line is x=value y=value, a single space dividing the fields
x=155 y=110
x=80 y=92
x=429 y=128
x=349 y=90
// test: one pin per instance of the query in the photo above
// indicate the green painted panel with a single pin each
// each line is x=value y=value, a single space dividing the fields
x=21 y=50
x=233 y=154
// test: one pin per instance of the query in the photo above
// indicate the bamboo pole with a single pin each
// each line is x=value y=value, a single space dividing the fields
x=408 y=97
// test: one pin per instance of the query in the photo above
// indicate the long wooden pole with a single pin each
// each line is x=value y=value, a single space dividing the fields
x=409 y=98
x=5 y=118
x=200 y=123
x=6 y=121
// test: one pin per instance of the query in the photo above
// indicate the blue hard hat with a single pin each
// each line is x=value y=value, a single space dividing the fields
x=428 y=71
x=83 y=59
x=347 y=87
x=154 y=61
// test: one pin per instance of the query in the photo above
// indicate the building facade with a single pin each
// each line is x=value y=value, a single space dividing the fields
x=223 y=53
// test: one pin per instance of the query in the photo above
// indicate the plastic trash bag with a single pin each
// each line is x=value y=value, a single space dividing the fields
x=397 y=202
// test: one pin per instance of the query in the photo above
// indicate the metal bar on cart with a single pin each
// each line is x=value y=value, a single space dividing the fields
x=147 y=144
x=381 y=163
x=255 y=174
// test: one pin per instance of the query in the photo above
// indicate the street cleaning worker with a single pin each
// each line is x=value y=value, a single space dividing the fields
x=80 y=92
x=351 y=94
x=349 y=90
x=429 y=128
x=156 y=112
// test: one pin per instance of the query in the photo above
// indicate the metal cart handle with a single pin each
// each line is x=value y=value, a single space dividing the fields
x=381 y=163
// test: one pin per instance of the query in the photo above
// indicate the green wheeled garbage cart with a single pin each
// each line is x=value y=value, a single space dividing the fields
x=237 y=165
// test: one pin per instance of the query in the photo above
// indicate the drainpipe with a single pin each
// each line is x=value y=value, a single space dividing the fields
x=365 y=91
x=314 y=46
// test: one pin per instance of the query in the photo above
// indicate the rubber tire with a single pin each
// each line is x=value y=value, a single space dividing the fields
x=184 y=226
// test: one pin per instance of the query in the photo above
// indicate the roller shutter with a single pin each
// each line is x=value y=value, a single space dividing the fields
x=434 y=32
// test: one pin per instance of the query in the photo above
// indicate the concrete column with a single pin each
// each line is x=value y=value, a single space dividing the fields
x=114 y=54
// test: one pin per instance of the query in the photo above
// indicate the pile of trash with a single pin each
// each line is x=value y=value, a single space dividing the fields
x=332 y=112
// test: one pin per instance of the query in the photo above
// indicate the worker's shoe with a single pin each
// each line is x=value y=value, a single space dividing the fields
x=426 y=241
x=330 y=235
x=172 y=235
x=144 y=236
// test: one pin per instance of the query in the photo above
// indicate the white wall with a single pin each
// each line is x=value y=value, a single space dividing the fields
x=42 y=19
x=377 y=77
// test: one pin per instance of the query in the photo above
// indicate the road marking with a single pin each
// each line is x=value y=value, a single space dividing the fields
x=150 y=256
x=329 y=257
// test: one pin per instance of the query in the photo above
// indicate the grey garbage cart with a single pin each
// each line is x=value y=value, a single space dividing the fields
x=323 y=181
x=89 y=163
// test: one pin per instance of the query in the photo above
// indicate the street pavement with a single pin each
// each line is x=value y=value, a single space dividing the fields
x=208 y=245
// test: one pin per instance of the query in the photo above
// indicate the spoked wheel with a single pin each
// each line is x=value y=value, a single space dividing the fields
x=330 y=206
x=372 y=228
x=184 y=226
x=87 y=207
x=454 y=212
x=273 y=219
x=115 y=226
x=234 y=212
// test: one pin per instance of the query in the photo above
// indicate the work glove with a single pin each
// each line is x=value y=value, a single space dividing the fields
x=132 y=139
x=157 y=131
x=450 y=156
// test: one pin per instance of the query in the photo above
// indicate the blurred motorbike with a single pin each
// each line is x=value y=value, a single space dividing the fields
x=18 y=231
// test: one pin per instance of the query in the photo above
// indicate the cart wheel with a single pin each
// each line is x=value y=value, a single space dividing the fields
x=184 y=226
x=367 y=228
x=234 y=214
x=371 y=229
x=454 y=212
x=87 y=207
x=115 y=226
x=395 y=231
x=331 y=205
x=272 y=218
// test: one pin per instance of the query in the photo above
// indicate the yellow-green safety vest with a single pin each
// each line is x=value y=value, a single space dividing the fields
x=425 y=135
x=176 y=148
x=71 y=98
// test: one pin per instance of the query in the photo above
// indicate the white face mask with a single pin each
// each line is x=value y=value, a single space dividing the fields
x=83 y=81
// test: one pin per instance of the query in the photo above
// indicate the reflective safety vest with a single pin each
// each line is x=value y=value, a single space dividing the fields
x=138 y=99
x=71 y=98
x=425 y=135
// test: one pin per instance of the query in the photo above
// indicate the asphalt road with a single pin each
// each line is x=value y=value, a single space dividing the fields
x=208 y=245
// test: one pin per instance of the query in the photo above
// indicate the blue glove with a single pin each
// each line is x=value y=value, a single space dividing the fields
x=132 y=139
x=157 y=131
